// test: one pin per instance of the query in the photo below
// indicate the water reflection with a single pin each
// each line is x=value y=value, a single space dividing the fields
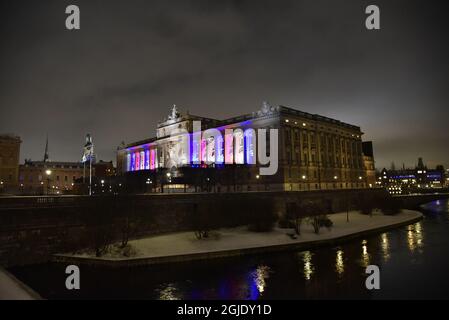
x=258 y=280
x=414 y=236
x=335 y=273
x=308 y=266
x=169 y=291
x=385 y=245
x=365 y=254
x=339 y=263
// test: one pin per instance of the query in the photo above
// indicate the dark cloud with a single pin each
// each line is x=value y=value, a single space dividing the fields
x=131 y=60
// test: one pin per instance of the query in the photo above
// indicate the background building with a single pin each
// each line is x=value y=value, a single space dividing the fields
x=46 y=177
x=9 y=162
x=369 y=164
x=406 y=181
x=104 y=169
x=315 y=153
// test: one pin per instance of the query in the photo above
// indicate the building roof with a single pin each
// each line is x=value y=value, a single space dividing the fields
x=52 y=164
x=10 y=136
x=278 y=110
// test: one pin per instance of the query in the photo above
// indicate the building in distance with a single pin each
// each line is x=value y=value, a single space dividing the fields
x=418 y=179
x=9 y=162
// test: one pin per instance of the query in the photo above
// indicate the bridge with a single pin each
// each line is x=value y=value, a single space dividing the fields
x=412 y=201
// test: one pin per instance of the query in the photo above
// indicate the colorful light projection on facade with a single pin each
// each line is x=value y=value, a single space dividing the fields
x=141 y=160
x=237 y=147
x=153 y=164
x=147 y=159
x=250 y=146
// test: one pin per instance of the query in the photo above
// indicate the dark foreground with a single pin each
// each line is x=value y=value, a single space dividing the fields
x=413 y=261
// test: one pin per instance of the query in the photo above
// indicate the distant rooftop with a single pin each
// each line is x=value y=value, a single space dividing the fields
x=10 y=136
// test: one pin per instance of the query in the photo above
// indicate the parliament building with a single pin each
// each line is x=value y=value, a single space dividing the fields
x=313 y=153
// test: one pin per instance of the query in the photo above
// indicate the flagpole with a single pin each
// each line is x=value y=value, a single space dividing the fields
x=90 y=175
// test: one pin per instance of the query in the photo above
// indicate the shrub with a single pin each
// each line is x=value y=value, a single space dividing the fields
x=366 y=204
x=201 y=220
x=325 y=222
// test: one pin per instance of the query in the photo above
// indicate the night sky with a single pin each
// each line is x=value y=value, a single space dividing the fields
x=118 y=76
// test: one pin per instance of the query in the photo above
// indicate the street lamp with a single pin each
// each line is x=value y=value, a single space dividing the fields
x=48 y=173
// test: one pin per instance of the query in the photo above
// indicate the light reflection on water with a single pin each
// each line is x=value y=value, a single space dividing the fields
x=385 y=245
x=169 y=291
x=259 y=279
x=339 y=263
x=414 y=236
x=308 y=266
x=365 y=254
x=320 y=273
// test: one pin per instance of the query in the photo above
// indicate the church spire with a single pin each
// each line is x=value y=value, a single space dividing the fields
x=46 y=157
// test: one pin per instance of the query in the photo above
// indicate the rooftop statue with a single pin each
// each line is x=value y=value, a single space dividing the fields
x=174 y=113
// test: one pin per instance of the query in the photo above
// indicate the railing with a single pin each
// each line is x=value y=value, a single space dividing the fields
x=40 y=201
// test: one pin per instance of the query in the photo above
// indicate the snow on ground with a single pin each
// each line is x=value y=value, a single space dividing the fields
x=12 y=289
x=183 y=243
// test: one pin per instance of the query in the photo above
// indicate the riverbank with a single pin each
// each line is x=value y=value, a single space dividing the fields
x=13 y=289
x=183 y=246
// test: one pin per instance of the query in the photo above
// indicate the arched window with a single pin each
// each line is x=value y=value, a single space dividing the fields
x=133 y=162
x=137 y=163
x=147 y=159
x=239 y=147
x=219 y=150
x=142 y=160
x=210 y=150
x=229 y=146
x=250 y=146
x=152 y=159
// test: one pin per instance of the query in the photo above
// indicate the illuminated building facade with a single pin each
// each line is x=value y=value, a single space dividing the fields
x=405 y=181
x=9 y=162
x=314 y=152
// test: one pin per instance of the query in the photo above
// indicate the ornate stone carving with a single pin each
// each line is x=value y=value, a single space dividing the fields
x=266 y=109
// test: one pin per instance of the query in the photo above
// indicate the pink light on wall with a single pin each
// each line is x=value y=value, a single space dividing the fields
x=239 y=147
x=203 y=155
x=229 y=147
x=152 y=159
x=137 y=163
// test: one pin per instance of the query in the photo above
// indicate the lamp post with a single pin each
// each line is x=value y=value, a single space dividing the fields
x=304 y=177
x=48 y=173
x=168 y=180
